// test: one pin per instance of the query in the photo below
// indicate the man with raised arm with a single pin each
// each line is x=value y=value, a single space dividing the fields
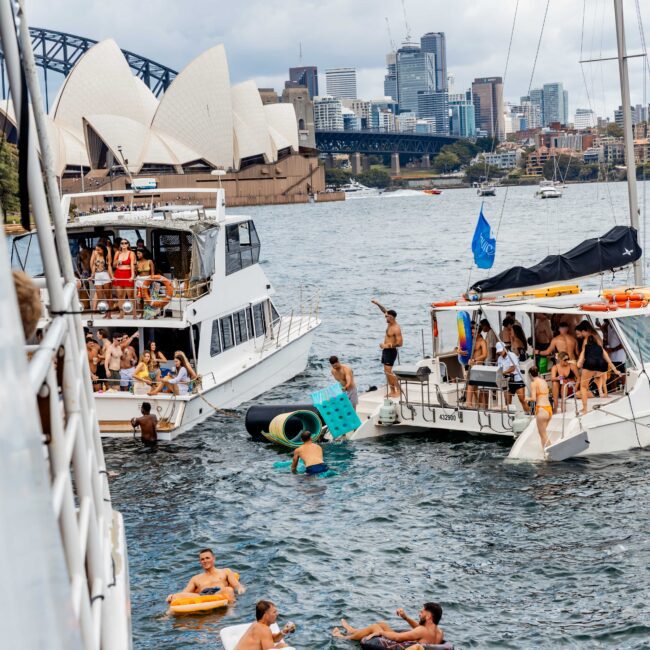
x=211 y=581
x=423 y=631
x=259 y=636
x=392 y=341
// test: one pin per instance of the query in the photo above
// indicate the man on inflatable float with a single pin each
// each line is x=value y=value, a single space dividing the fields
x=380 y=635
x=211 y=581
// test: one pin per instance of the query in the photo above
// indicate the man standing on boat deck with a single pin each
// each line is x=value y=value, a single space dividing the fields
x=392 y=341
x=112 y=362
x=509 y=364
x=128 y=361
x=211 y=581
x=563 y=342
x=344 y=375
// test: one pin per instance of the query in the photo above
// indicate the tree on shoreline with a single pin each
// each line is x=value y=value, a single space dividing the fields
x=8 y=179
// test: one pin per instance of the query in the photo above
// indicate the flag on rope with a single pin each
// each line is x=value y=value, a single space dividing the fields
x=484 y=246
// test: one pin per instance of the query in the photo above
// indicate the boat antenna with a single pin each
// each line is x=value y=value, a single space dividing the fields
x=627 y=130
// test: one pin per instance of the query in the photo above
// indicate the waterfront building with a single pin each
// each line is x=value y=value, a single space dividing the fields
x=425 y=126
x=434 y=42
x=328 y=114
x=506 y=159
x=351 y=121
x=535 y=118
x=463 y=117
x=435 y=105
x=536 y=159
x=406 y=122
x=384 y=120
x=613 y=150
x=304 y=109
x=584 y=118
x=487 y=93
x=306 y=75
x=341 y=83
x=635 y=112
x=555 y=104
x=416 y=73
x=593 y=155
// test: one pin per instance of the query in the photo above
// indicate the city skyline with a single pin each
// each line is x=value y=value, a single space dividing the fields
x=476 y=38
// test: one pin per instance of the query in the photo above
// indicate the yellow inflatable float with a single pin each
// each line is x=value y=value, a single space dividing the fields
x=198 y=604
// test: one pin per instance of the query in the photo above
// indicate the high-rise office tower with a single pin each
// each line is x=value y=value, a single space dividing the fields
x=434 y=42
x=487 y=93
x=390 y=79
x=305 y=76
x=341 y=83
x=554 y=110
x=416 y=73
x=566 y=107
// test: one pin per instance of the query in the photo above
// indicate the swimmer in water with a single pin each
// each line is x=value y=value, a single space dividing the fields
x=259 y=636
x=211 y=581
x=311 y=454
x=147 y=424
x=424 y=631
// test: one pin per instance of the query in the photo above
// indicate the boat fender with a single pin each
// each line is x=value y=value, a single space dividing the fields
x=146 y=293
x=465 y=343
x=599 y=306
x=436 y=333
x=382 y=643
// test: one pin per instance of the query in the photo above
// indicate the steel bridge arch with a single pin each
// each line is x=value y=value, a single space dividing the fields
x=58 y=52
x=373 y=141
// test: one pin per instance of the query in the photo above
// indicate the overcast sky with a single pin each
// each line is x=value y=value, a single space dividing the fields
x=262 y=38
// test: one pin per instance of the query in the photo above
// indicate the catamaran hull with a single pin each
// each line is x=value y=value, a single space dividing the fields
x=115 y=410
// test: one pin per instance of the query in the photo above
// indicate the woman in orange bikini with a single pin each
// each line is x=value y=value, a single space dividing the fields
x=124 y=275
x=543 y=410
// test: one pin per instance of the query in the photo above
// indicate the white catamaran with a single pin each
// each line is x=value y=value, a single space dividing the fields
x=434 y=391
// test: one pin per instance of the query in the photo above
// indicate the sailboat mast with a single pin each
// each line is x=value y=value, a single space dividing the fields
x=627 y=129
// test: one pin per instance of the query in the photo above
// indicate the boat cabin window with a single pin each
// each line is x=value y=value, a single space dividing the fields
x=215 y=339
x=258 y=318
x=26 y=255
x=227 y=333
x=636 y=329
x=172 y=252
x=242 y=246
x=241 y=326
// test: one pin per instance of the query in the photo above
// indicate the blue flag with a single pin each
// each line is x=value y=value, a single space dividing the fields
x=484 y=246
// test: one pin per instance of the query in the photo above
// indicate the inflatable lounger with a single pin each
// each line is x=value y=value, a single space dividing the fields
x=198 y=604
x=230 y=635
x=382 y=643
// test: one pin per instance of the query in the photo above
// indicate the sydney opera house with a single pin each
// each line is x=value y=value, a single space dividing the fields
x=105 y=119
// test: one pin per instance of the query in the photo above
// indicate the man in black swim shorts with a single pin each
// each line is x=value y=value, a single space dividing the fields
x=392 y=341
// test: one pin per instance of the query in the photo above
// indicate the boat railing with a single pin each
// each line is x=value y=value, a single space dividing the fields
x=167 y=298
x=302 y=318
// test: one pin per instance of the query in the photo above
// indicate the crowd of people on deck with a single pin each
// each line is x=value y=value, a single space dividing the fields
x=115 y=365
x=576 y=357
x=113 y=273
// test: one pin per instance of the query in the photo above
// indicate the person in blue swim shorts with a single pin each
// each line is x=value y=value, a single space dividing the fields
x=311 y=455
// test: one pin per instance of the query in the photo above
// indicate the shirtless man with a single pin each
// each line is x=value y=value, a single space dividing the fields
x=128 y=361
x=425 y=630
x=311 y=454
x=392 y=341
x=563 y=342
x=147 y=424
x=112 y=361
x=479 y=357
x=344 y=375
x=93 y=349
x=211 y=581
x=259 y=636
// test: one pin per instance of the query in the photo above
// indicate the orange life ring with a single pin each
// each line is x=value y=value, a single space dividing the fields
x=624 y=297
x=448 y=303
x=633 y=304
x=600 y=306
x=146 y=294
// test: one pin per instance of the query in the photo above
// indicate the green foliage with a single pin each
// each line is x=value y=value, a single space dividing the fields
x=614 y=130
x=568 y=167
x=8 y=179
x=477 y=173
x=337 y=177
x=374 y=178
x=486 y=144
x=446 y=161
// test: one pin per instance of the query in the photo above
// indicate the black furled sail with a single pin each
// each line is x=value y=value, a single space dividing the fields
x=614 y=250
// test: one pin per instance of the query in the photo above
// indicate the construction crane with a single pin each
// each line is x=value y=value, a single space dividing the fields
x=406 y=24
x=390 y=36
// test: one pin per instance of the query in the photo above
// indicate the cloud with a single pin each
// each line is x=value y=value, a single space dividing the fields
x=263 y=37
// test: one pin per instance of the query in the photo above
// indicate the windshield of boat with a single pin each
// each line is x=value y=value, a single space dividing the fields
x=636 y=330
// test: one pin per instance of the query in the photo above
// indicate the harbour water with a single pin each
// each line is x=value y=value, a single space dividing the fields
x=519 y=556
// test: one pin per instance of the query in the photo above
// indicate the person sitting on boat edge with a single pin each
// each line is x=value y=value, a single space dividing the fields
x=211 y=581
x=423 y=631
x=259 y=635
x=392 y=341
x=509 y=364
x=147 y=424
x=344 y=375
x=311 y=454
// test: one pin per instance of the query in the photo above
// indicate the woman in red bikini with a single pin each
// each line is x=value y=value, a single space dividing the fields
x=124 y=275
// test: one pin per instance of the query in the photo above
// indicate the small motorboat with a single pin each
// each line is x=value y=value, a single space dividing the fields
x=432 y=191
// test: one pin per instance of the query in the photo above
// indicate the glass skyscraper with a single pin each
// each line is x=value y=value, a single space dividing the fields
x=416 y=73
x=434 y=42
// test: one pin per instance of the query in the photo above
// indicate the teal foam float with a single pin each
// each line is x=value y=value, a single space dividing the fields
x=336 y=410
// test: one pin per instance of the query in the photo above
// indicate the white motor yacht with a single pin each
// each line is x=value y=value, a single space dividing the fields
x=209 y=298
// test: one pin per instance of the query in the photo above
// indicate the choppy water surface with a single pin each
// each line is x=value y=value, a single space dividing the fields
x=520 y=556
